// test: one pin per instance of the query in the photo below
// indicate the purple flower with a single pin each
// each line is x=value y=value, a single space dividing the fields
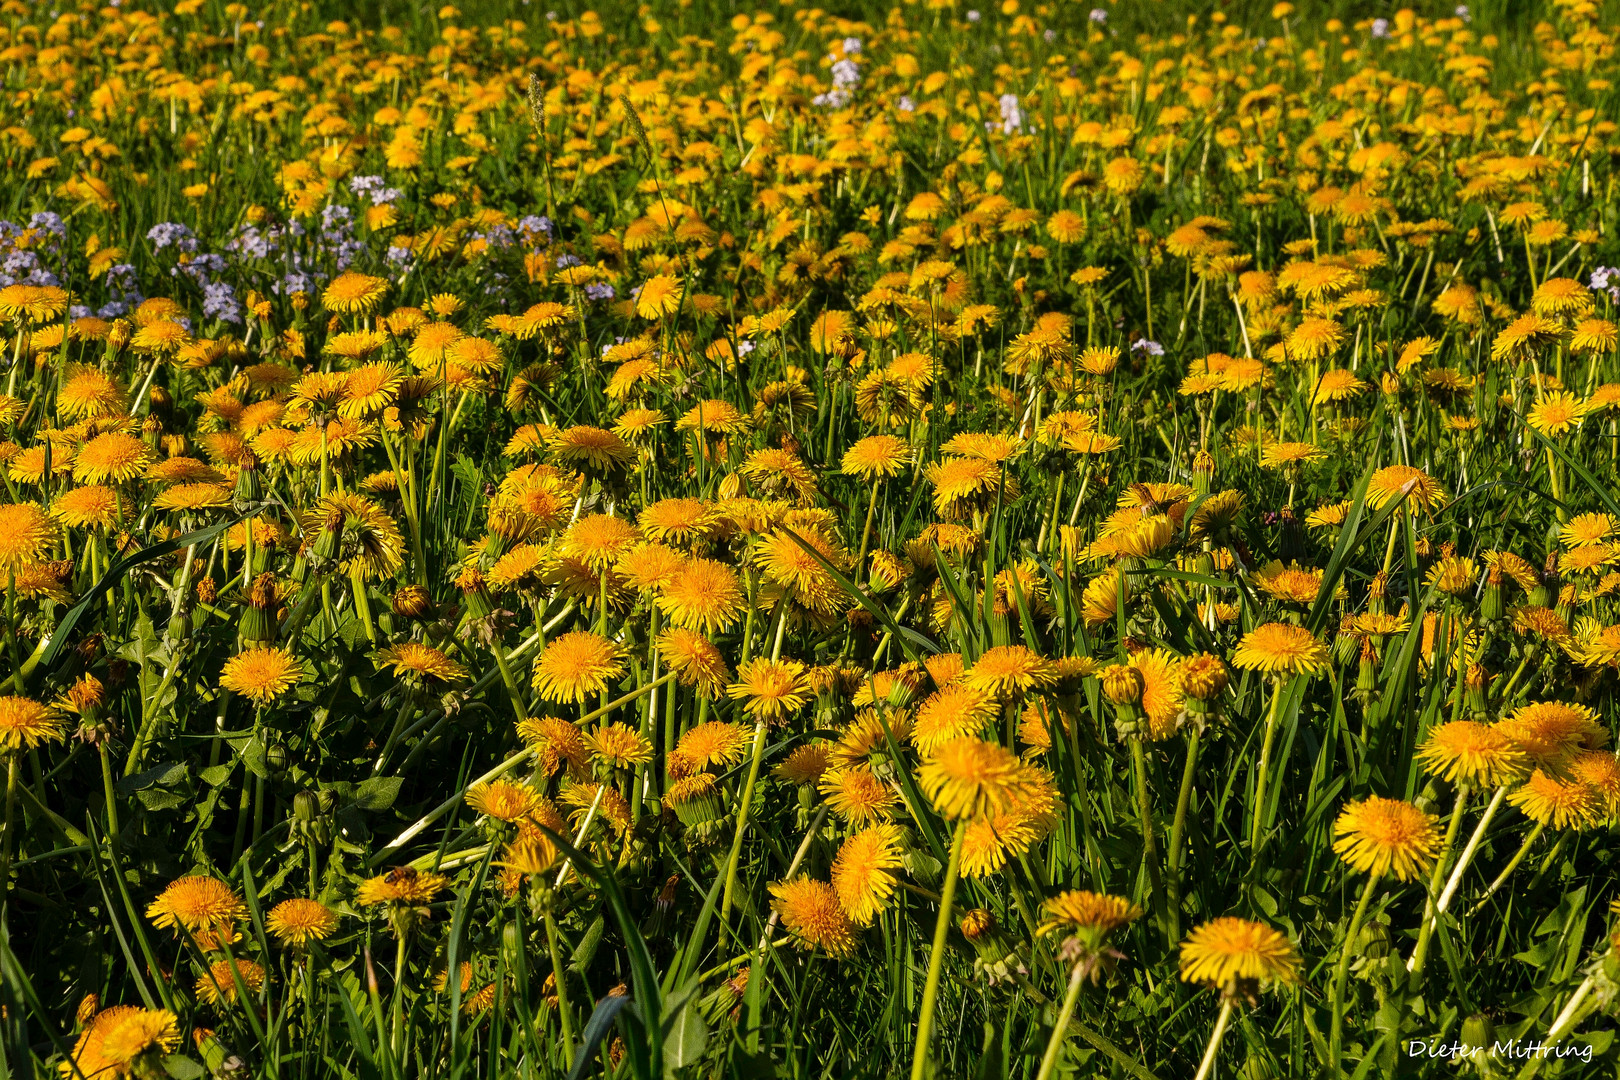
x=1098 y=16
x=1152 y=348
x=599 y=290
x=219 y=302
x=1380 y=28
x=172 y=234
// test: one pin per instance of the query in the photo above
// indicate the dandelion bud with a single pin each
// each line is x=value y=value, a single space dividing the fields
x=977 y=923
x=1123 y=684
x=260 y=617
x=159 y=400
x=1475 y=679
x=118 y=337
x=207 y=591
x=248 y=487
x=1492 y=605
x=1367 y=672
x=1390 y=384
x=1203 y=470
x=1377 y=591
x=411 y=602
x=306 y=807
x=1204 y=677
x=997 y=953
x=1478 y=1030
x=473 y=593
x=89 y=1005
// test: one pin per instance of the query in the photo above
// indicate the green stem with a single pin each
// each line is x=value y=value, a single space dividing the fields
x=1513 y=864
x=1257 y=818
x=1054 y=1045
x=1342 y=972
x=936 y=956
x=742 y=820
x=1144 y=813
x=1468 y=852
x=553 y=942
x=6 y=825
x=1207 y=1066
x=1421 y=950
x=1178 y=830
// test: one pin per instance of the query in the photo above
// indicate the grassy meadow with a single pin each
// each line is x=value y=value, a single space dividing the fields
x=706 y=541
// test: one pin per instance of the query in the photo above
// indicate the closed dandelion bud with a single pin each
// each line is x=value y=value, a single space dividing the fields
x=473 y=593
x=1203 y=470
x=1259 y=1068
x=118 y=337
x=1375 y=941
x=248 y=485
x=159 y=401
x=730 y=486
x=276 y=759
x=1346 y=643
x=696 y=801
x=996 y=952
x=1123 y=684
x=1547 y=584
x=1475 y=679
x=1478 y=1030
x=411 y=602
x=259 y=618
x=1390 y=384
x=1367 y=671
x=151 y=431
x=512 y=944
x=1204 y=679
x=1492 y=604
x=1377 y=591
x=89 y=1005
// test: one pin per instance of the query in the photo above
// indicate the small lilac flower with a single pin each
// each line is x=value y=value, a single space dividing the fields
x=905 y=104
x=599 y=290
x=973 y=16
x=1099 y=16
x=1462 y=13
x=852 y=46
x=1152 y=348
x=1380 y=28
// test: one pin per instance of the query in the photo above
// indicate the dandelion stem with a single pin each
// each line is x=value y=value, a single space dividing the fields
x=1144 y=812
x=1257 y=818
x=936 y=956
x=742 y=820
x=1468 y=852
x=1054 y=1045
x=1513 y=864
x=1207 y=1066
x=559 y=976
x=1342 y=972
x=1178 y=829
x=1420 y=951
